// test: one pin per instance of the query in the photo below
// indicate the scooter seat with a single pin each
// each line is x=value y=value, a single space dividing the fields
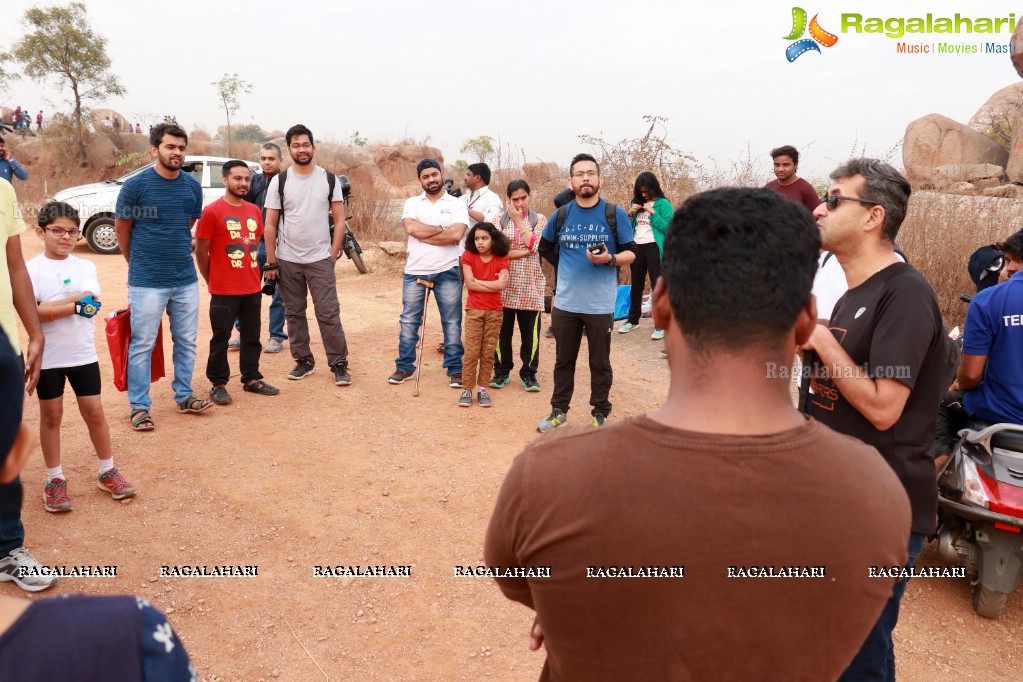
x=1008 y=440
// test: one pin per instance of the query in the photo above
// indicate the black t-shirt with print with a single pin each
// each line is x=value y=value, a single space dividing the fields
x=891 y=325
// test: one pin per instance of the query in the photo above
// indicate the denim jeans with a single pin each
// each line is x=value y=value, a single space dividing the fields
x=876 y=657
x=147 y=306
x=276 y=303
x=447 y=292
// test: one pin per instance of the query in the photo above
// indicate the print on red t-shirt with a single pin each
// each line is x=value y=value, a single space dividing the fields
x=234 y=233
x=484 y=272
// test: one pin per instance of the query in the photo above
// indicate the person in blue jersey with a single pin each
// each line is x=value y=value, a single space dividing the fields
x=155 y=213
x=585 y=240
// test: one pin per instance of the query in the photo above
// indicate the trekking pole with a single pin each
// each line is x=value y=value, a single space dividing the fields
x=422 y=337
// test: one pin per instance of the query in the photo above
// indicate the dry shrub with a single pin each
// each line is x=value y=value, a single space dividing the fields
x=942 y=230
x=375 y=217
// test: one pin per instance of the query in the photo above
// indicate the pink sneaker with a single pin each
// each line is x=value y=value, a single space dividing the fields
x=113 y=482
x=55 y=497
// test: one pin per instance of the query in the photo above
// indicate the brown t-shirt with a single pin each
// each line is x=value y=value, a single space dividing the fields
x=639 y=494
x=891 y=324
x=800 y=190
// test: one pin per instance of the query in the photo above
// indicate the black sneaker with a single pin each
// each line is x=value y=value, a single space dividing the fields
x=549 y=333
x=500 y=381
x=341 y=376
x=455 y=380
x=399 y=377
x=303 y=368
x=529 y=383
x=599 y=419
x=465 y=400
x=484 y=398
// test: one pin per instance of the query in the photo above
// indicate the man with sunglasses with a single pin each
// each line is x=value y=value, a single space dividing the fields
x=879 y=376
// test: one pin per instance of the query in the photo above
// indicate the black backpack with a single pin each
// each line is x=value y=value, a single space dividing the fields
x=331 y=179
x=610 y=214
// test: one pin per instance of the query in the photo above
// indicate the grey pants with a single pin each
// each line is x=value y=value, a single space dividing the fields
x=318 y=279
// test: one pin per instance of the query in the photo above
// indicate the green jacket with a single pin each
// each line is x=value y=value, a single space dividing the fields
x=659 y=220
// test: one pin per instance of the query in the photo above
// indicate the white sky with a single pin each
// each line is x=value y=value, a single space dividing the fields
x=537 y=74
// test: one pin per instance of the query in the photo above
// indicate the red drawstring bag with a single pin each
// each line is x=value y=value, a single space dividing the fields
x=118 y=338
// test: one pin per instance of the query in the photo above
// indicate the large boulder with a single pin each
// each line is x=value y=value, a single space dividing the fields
x=6 y=116
x=974 y=173
x=540 y=173
x=135 y=143
x=935 y=140
x=1005 y=192
x=101 y=153
x=1017 y=47
x=996 y=116
x=1014 y=167
x=28 y=153
x=117 y=121
x=397 y=163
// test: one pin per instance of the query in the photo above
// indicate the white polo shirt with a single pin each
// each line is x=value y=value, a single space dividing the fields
x=486 y=202
x=428 y=259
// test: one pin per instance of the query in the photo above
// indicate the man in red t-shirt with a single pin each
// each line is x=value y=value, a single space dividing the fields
x=226 y=240
x=787 y=184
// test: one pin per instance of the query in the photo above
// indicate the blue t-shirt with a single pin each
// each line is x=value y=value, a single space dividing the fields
x=161 y=238
x=994 y=327
x=584 y=287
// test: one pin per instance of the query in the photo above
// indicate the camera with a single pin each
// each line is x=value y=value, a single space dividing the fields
x=269 y=286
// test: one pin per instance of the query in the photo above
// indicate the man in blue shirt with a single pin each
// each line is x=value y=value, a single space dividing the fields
x=8 y=166
x=991 y=373
x=155 y=213
x=585 y=249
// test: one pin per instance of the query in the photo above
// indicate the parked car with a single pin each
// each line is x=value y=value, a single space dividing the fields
x=96 y=201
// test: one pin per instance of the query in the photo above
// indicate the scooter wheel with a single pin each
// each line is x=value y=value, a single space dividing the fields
x=987 y=602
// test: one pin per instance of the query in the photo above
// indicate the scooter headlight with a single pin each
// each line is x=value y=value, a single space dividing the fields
x=974 y=491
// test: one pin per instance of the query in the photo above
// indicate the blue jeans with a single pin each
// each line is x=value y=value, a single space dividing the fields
x=147 y=306
x=876 y=657
x=447 y=291
x=276 y=304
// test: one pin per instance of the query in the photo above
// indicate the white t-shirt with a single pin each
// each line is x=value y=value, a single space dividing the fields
x=644 y=231
x=486 y=202
x=428 y=259
x=303 y=232
x=70 y=341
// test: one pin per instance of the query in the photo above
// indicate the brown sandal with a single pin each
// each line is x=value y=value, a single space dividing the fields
x=193 y=404
x=141 y=420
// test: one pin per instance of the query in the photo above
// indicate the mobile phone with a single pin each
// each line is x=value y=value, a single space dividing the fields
x=598 y=249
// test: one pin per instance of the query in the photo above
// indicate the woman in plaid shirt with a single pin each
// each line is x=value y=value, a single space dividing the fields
x=523 y=299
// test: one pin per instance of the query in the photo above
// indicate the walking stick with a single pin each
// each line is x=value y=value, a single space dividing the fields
x=422 y=338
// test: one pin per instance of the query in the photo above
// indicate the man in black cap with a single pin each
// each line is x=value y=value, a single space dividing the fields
x=435 y=222
x=986 y=264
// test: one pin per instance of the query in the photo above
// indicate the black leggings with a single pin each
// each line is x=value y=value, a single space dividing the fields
x=648 y=260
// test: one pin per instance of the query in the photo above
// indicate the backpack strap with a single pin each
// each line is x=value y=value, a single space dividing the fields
x=611 y=215
x=533 y=219
x=331 y=179
x=281 y=178
x=505 y=219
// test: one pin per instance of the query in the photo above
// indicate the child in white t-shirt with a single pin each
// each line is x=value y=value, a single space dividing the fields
x=67 y=291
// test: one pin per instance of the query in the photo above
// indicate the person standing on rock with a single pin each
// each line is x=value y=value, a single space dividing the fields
x=884 y=354
x=224 y=239
x=300 y=254
x=435 y=223
x=9 y=168
x=155 y=212
x=787 y=183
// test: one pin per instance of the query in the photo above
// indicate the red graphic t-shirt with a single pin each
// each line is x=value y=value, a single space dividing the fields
x=484 y=272
x=234 y=233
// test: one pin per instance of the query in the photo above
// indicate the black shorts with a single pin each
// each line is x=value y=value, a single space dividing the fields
x=84 y=380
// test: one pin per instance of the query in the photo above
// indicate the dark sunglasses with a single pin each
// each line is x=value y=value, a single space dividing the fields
x=832 y=201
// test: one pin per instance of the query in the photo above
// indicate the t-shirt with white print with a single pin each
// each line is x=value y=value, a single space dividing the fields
x=644 y=232
x=70 y=341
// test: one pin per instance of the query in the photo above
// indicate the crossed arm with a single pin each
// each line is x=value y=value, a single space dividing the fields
x=431 y=234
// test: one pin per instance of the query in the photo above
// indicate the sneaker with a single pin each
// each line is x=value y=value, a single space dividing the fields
x=114 y=483
x=55 y=497
x=23 y=570
x=341 y=375
x=235 y=343
x=455 y=380
x=500 y=382
x=549 y=333
x=555 y=419
x=599 y=419
x=465 y=400
x=626 y=328
x=529 y=383
x=399 y=377
x=219 y=395
x=273 y=345
x=664 y=354
x=657 y=335
x=303 y=368
x=484 y=398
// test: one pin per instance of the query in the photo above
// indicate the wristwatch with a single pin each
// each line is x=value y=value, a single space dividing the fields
x=613 y=260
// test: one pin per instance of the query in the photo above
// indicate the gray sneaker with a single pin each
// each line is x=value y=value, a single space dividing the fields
x=465 y=400
x=555 y=419
x=235 y=343
x=23 y=570
x=273 y=345
x=484 y=399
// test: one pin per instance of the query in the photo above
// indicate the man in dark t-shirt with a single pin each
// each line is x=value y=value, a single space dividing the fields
x=787 y=183
x=620 y=515
x=881 y=361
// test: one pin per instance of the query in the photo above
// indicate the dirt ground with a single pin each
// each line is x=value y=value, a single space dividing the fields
x=366 y=474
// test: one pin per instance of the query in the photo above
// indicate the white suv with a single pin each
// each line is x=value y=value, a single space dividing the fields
x=96 y=202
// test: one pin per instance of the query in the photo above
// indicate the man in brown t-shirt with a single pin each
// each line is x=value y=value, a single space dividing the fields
x=882 y=360
x=787 y=183
x=724 y=536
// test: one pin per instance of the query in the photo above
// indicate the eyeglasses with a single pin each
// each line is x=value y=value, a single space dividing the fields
x=60 y=232
x=585 y=174
x=301 y=146
x=832 y=201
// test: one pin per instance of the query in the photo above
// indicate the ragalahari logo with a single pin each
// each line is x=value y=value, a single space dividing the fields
x=818 y=35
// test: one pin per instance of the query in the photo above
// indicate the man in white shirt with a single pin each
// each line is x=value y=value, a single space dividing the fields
x=483 y=205
x=435 y=222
